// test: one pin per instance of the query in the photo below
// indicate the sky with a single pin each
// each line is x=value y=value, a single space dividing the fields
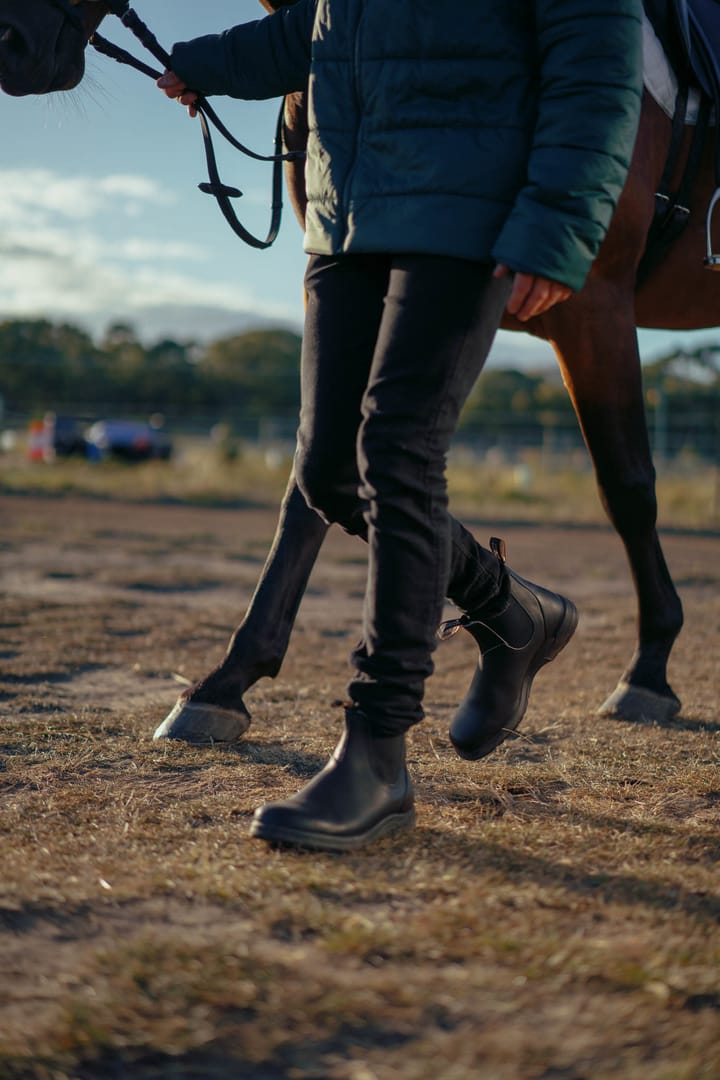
x=101 y=219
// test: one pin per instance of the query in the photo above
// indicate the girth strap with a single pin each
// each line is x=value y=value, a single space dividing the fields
x=672 y=209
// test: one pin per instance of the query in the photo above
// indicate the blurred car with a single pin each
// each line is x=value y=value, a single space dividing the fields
x=63 y=436
x=129 y=440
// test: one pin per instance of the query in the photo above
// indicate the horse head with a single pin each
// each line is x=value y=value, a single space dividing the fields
x=42 y=43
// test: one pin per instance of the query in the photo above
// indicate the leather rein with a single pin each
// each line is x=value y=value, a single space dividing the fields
x=214 y=186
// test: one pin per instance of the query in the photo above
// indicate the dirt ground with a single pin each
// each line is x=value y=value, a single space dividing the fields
x=169 y=583
x=128 y=872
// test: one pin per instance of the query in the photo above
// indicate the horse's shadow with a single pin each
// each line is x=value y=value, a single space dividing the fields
x=673 y=723
x=524 y=868
x=440 y=846
x=290 y=759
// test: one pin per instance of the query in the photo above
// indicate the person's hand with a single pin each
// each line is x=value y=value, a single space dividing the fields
x=173 y=86
x=531 y=294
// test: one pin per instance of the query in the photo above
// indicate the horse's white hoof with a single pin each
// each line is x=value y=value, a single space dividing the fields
x=197 y=722
x=634 y=703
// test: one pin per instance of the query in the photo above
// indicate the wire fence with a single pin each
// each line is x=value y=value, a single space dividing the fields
x=676 y=438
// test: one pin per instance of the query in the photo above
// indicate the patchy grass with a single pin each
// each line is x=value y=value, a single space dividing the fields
x=538 y=488
x=554 y=916
x=197 y=474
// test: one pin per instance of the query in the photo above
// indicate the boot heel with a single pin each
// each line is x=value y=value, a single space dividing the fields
x=566 y=629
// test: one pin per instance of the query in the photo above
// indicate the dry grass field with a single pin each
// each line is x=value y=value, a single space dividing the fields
x=554 y=916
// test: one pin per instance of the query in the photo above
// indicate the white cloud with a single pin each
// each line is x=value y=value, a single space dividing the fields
x=81 y=283
x=135 y=187
x=50 y=243
x=61 y=256
x=137 y=249
x=33 y=196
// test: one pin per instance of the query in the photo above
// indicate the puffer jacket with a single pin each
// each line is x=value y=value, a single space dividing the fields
x=483 y=129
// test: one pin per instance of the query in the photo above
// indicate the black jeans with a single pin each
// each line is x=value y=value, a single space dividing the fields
x=392 y=347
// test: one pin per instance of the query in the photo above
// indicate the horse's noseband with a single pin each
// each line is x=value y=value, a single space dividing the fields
x=70 y=12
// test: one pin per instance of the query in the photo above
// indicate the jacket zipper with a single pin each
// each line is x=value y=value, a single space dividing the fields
x=357 y=97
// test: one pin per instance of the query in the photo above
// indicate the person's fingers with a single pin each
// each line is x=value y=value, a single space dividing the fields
x=168 y=78
x=532 y=296
x=521 y=289
x=174 y=87
x=552 y=295
x=189 y=98
x=171 y=83
x=536 y=300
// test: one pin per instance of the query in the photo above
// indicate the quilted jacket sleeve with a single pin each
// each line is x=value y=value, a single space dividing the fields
x=256 y=60
x=590 y=57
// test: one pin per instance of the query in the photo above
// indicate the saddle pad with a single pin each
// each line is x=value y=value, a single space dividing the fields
x=659 y=77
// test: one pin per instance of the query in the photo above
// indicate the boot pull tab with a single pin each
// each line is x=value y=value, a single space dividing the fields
x=497 y=546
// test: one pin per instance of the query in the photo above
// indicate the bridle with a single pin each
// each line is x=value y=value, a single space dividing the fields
x=70 y=13
x=214 y=185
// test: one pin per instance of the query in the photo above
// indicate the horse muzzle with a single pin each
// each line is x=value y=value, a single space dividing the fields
x=38 y=60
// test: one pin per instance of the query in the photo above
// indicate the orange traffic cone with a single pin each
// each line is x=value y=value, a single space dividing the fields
x=37 y=441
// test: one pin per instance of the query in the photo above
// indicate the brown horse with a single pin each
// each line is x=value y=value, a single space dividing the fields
x=593 y=335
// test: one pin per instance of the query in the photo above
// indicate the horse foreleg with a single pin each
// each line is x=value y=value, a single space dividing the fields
x=213 y=710
x=596 y=343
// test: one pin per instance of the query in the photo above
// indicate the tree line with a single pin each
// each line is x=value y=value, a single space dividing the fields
x=47 y=365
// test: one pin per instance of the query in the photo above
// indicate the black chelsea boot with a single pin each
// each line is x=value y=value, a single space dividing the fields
x=517 y=634
x=364 y=792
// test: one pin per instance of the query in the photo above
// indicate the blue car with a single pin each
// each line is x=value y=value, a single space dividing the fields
x=128 y=440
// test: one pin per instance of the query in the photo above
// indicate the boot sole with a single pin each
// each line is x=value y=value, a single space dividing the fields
x=317 y=841
x=552 y=648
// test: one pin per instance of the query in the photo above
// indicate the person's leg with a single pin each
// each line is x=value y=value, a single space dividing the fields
x=518 y=626
x=345 y=303
x=344 y=306
x=438 y=323
x=434 y=331
x=364 y=791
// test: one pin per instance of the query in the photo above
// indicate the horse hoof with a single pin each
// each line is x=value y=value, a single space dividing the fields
x=634 y=703
x=198 y=722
